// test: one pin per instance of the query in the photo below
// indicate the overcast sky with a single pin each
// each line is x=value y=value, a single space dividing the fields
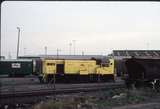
x=97 y=27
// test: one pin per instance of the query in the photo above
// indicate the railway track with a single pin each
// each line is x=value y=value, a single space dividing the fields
x=7 y=81
x=26 y=96
x=30 y=87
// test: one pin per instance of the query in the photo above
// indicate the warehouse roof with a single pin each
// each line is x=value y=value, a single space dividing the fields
x=136 y=53
x=2 y=57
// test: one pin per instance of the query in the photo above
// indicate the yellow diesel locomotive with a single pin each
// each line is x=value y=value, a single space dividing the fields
x=65 y=70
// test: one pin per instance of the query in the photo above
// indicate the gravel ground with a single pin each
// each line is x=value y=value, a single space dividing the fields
x=144 y=98
x=19 y=81
x=155 y=105
x=112 y=99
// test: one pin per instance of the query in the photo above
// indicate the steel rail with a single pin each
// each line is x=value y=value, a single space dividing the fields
x=32 y=96
x=50 y=86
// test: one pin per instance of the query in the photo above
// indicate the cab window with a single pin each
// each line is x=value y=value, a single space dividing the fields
x=105 y=65
x=50 y=64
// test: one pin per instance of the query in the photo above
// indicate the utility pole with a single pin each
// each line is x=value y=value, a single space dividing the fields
x=18 y=41
x=82 y=53
x=9 y=55
x=24 y=50
x=58 y=53
x=70 y=44
x=74 y=45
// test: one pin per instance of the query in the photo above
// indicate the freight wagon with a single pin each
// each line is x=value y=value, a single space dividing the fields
x=142 y=71
x=13 y=68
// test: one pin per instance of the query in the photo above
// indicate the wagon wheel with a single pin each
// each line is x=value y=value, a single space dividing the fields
x=157 y=85
x=128 y=83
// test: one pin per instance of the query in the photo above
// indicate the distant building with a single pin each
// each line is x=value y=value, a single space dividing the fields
x=63 y=57
x=2 y=57
x=29 y=57
x=120 y=54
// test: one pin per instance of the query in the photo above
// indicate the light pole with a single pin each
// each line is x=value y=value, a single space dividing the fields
x=0 y=41
x=70 y=44
x=18 y=41
x=54 y=79
x=45 y=48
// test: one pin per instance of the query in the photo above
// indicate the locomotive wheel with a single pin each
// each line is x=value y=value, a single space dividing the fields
x=41 y=79
x=44 y=80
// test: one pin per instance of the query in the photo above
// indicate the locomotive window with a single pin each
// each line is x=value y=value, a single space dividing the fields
x=50 y=64
x=105 y=65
